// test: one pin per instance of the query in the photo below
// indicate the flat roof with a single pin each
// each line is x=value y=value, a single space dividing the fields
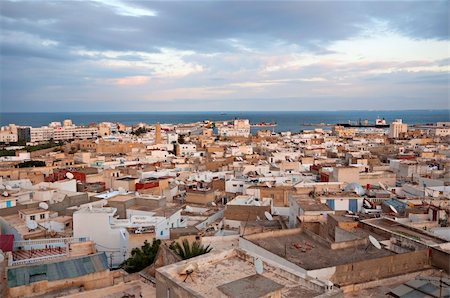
x=396 y=227
x=310 y=204
x=253 y=286
x=219 y=268
x=121 y=198
x=317 y=255
x=33 y=211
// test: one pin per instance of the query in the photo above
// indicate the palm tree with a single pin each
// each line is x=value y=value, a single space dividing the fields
x=186 y=251
x=141 y=257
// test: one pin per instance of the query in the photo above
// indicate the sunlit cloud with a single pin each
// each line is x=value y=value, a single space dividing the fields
x=126 y=9
x=295 y=52
x=132 y=81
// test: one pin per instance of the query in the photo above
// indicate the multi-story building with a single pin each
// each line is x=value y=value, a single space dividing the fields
x=45 y=133
x=8 y=134
x=40 y=134
x=396 y=128
x=240 y=128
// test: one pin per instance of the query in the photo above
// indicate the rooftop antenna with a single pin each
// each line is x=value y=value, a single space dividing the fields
x=259 y=267
x=43 y=205
x=268 y=215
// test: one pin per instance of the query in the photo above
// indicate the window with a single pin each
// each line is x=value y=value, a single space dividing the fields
x=32 y=217
x=42 y=216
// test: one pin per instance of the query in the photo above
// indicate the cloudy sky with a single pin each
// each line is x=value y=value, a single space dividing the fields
x=113 y=55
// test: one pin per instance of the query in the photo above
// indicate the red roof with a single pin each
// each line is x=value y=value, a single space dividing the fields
x=6 y=242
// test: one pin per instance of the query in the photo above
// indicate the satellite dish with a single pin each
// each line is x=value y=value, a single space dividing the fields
x=32 y=225
x=268 y=185
x=5 y=194
x=122 y=233
x=69 y=175
x=393 y=209
x=257 y=217
x=259 y=268
x=268 y=215
x=374 y=242
x=366 y=204
x=43 y=205
x=214 y=204
x=8 y=187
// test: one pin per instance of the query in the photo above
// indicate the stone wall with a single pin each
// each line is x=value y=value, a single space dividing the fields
x=379 y=268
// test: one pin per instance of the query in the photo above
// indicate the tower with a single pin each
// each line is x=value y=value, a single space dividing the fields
x=158 y=133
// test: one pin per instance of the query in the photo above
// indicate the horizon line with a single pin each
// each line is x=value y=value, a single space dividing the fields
x=224 y=111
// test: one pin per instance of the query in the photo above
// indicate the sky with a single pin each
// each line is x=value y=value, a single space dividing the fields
x=113 y=55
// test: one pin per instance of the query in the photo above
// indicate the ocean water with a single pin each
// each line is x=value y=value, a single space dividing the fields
x=287 y=121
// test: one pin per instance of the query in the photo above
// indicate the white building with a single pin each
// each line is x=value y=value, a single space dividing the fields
x=186 y=149
x=112 y=235
x=45 y=133
x=40 y=134
x=96 y=223
x=240 y=128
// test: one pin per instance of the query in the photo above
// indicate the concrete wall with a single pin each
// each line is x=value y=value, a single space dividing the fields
x=244 y=213
x=211 y=219
x=440 y=259
x=88 y=282
x=69 y=201
x=374 y=269
x=199 y=197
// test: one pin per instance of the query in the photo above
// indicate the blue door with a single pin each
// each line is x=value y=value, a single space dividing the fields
x=8 y=204
x=353 y=205
x=330 y=204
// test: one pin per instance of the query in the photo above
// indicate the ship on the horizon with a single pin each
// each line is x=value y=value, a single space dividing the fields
x=264 y=124
x=379 y=123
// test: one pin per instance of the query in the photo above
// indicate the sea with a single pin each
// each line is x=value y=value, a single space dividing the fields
x=293 y=121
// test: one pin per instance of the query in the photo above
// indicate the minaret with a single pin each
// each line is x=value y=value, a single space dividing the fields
x=158 y=134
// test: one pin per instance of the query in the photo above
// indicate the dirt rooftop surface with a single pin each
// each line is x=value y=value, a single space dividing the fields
x=302 y=250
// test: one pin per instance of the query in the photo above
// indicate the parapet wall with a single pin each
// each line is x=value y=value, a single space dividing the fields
x=374 y=269
x=88 y=282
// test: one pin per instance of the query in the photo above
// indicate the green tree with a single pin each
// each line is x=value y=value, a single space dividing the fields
x=181 y=139
x=141 y=257
x=31 y=164
x=187 y=251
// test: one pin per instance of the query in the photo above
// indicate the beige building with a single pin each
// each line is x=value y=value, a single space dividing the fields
x=397 y=128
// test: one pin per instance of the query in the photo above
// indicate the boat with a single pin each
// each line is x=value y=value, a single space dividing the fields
x=264 y=124
x=379 y=123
